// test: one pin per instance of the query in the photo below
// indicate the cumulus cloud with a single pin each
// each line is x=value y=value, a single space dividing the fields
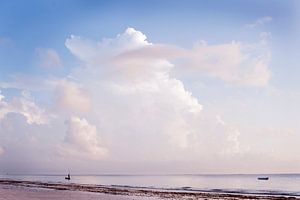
x=128 y=91
x=72 y=97
x=89 y=51
x=133 y=84
x=260 y=22
x=82 y=140
x=24 y=106
x=48 y=58
x=136 y=98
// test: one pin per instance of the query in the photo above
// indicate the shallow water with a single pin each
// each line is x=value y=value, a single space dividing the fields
x=277 y=183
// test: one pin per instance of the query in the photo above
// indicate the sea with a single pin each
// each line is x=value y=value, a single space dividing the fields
x=278 y=184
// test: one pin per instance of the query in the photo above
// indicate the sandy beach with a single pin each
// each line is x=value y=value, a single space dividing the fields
x=12 y=190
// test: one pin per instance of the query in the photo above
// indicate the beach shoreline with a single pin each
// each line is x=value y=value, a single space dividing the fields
x=122 y=192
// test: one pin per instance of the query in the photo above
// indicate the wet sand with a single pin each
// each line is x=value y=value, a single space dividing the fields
x=25 y=190
x=25 y=193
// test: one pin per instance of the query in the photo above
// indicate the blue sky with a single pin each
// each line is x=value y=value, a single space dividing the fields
x=234 y=63
x=33 y=24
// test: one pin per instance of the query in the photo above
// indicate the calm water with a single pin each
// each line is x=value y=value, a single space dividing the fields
x=278 y=183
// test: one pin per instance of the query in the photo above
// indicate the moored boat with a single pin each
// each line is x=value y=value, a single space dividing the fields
x=263 y=178
x=68 y=177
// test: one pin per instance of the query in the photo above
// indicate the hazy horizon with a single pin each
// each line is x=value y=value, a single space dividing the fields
x=149 y=87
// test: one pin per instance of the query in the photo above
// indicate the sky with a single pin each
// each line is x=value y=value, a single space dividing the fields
x=149 y=86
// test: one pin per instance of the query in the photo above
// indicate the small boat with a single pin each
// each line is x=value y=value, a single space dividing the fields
x=68 y=177
x=263 y=178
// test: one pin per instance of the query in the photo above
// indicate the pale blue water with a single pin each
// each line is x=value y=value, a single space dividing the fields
x=277 y=184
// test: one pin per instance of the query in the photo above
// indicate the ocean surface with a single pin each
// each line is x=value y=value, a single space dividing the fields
x=287 y=184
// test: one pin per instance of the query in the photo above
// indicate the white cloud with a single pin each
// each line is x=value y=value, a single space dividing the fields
x=133 y=85
x=234 y=63
x=89 y=51
x=178 y=131
x=1 y=96
x=129 y=88
x=260 y=22
x=48 y=58
x=82 y=140
x=233 y=144
x=72 y=97
x=136 y=99
x=265 y=37
x=24 y=106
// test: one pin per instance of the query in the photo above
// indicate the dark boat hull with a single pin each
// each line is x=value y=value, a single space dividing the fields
x=263 y=178
x=68 y=177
